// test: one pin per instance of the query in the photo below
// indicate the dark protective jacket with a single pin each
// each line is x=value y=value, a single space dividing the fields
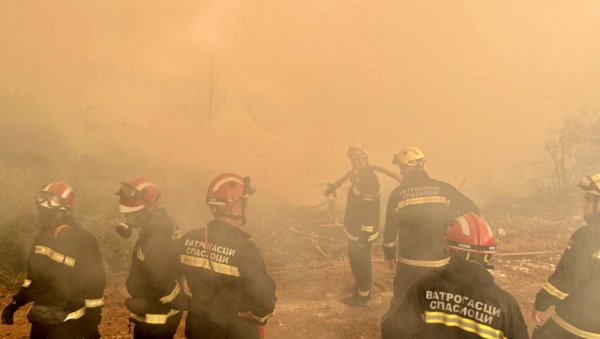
x=154 y=276
x=459 y=301
x=226 y=275
x=361 y=220
x=574 y=287
x=64 y=270
x=418 y=214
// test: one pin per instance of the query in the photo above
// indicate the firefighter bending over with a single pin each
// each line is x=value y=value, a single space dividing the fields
x=361 y=221
x=462 y=300
x=574 y=287
x=418 y=213
x=154 y=282
x=232 y=293
x=65 y=280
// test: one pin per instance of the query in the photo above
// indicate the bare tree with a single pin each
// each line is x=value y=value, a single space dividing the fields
x=213 y=98
x=574 y=151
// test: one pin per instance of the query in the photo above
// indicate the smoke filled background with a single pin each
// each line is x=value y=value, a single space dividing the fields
x=100 y=92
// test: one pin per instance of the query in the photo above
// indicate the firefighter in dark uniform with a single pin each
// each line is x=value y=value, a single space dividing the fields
x=462 y=300
x=361 y=221
x=154 y=283
x=232 y=293
x=418 y=213
x=574 y=287
x=65 y=280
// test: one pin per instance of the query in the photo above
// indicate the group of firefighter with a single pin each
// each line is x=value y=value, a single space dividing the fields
x=231 y=294
x=434 y=238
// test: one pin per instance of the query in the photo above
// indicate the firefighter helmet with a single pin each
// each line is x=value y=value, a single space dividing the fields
x=470 y=233
x=591 y=184
x=409 y=156
x=138 y=194
x=56 y=195
x=228 y=188
x=358 y=150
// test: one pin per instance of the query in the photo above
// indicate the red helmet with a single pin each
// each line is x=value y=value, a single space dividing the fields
x=138 y=194
x=228 y=188
x=56 y=195
x=470 y=233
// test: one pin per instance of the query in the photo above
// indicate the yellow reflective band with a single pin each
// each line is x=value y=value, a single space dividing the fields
x=424 y=263
x=26 y=283
x=423 y=200
x=209 y=265
x=597 y=255
x=548 y=287
x=363 y=294
x=76 y=314
x=367 y=228
x=454 y=320
x=259 y=319
x=140 y=255
x=91 y=303
x=389 y=244
x=54 y=255
x=373 y=237
x=574 y=330
x=171 y=296
x=155 y=319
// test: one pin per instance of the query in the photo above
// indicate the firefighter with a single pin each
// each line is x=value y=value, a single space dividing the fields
x=65 y=279
x=417 y=215
x=232 y=293
x=361 y=221
x=154 y=282
x=462 y=300
x=574 y=287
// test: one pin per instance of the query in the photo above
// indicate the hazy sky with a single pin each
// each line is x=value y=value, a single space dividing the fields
x=476 y=84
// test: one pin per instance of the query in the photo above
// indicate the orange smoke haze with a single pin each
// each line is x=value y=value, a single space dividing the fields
x=475 y=84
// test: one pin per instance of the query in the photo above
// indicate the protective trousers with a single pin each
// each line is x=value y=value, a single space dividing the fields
x=406 y=276
x=71 y=329
x=360 y=261
x=200 y=327
x=157 y=331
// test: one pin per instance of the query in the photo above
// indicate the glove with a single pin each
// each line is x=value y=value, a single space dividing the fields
x=91 y=320
x=9 y=312
x=330 y=190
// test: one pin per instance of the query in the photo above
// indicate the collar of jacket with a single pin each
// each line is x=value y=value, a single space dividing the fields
x=158 y=222
x=225 y=227
x=468 y=273
x=417 y=175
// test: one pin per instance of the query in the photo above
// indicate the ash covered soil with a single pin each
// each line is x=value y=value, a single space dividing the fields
x=310 y=293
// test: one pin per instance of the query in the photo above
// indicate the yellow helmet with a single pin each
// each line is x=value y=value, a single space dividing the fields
x=410 y=156
x=591 y=184
x=358 y=149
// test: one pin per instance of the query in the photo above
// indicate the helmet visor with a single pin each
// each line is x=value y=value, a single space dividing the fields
x=50 y=200
x=589 y=185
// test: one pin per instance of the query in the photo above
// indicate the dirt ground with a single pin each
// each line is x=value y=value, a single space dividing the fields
x=310 y=299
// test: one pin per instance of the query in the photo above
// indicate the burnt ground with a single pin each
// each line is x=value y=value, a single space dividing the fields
x=310 y=299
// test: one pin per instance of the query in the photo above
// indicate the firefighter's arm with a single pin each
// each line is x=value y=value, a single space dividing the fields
x=390 y=231
x=25 y=294
x=406 y=321
x=162 y=262
x=258 y=285
x=92 y=281
x=368 y=187
x=570 y=271
x=460 y=203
